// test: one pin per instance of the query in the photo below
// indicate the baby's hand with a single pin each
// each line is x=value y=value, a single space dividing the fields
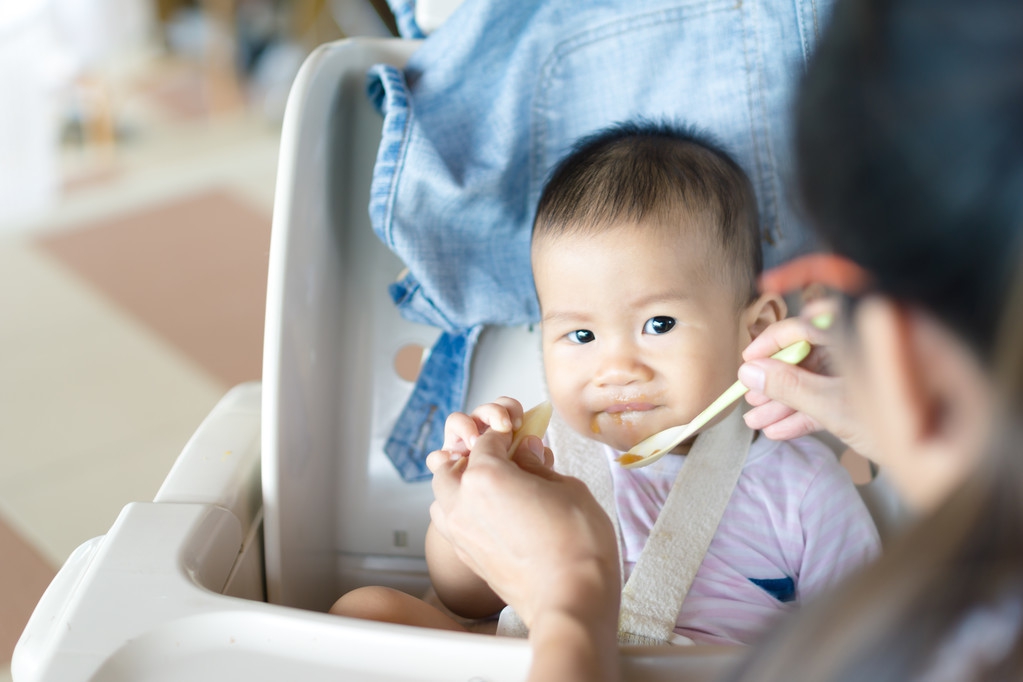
x=461 y=430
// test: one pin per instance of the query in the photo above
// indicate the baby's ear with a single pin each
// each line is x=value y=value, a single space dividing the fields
x=762 y=313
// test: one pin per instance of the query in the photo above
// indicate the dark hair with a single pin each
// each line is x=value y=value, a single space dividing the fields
x=910 y=151
x=910 y=155
x=640 y=171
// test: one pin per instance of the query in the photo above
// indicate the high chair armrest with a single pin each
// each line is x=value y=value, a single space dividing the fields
x=220 y=464
x=158 y=563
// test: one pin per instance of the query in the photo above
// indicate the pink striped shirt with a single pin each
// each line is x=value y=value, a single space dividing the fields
x=794 y=526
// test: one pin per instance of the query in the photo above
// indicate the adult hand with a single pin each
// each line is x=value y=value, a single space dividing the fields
x=460 y=587
x=791 y=401
x=543 y=544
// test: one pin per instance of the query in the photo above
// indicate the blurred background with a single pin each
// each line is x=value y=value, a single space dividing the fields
x=138 y=152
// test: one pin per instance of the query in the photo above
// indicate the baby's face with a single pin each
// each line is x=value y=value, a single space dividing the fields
x=641 y=330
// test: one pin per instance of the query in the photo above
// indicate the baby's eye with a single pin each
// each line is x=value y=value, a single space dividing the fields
x=662 y=324
x=580 y=336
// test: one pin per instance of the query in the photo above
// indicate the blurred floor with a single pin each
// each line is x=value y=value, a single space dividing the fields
x=126 y=312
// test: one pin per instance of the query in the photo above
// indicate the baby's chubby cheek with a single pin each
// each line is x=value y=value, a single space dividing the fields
x=581 y=420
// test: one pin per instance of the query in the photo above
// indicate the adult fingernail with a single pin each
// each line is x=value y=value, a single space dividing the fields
x=535 y=445
x=752 y=377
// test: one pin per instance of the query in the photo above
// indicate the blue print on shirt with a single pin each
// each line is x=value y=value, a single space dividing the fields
x=782 y=589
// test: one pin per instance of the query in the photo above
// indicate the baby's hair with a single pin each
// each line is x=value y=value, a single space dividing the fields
x=642 y=171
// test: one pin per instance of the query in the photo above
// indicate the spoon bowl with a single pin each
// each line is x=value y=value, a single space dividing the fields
x=661 y=443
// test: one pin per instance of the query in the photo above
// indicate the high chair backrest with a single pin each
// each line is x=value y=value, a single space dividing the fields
x=337 y=515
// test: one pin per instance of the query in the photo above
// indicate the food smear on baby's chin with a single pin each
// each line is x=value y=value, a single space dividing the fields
x=626 y=417
x=594 y=426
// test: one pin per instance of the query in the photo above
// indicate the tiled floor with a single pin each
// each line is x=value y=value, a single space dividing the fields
x=126 y=312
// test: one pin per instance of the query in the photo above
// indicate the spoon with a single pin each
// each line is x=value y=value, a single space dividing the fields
x=661 y=443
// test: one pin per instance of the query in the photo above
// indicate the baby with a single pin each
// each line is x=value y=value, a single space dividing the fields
x=645 y=255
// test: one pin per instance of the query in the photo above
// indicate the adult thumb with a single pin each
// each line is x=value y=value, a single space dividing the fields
x=788 y=384
x=532 y=457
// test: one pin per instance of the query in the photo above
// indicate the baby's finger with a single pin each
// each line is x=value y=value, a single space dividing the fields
x=439 y=459
x=460 y=433
x=497 y=416
x=515 y=410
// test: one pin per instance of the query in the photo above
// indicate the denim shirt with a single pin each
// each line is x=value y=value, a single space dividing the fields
x=498 y=94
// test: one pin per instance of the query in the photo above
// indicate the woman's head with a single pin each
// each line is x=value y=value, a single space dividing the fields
x=910 y=150
x=910 y=154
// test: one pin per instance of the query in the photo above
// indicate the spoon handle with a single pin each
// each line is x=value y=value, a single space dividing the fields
x=793 y=355
x=731 y=394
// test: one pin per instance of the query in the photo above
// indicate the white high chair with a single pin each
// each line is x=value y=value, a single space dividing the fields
x=285 y=485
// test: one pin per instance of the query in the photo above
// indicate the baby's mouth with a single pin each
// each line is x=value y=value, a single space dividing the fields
x=619 y=408
x=628 y=415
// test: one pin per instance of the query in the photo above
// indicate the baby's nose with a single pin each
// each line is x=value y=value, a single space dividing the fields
x=622 y=366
